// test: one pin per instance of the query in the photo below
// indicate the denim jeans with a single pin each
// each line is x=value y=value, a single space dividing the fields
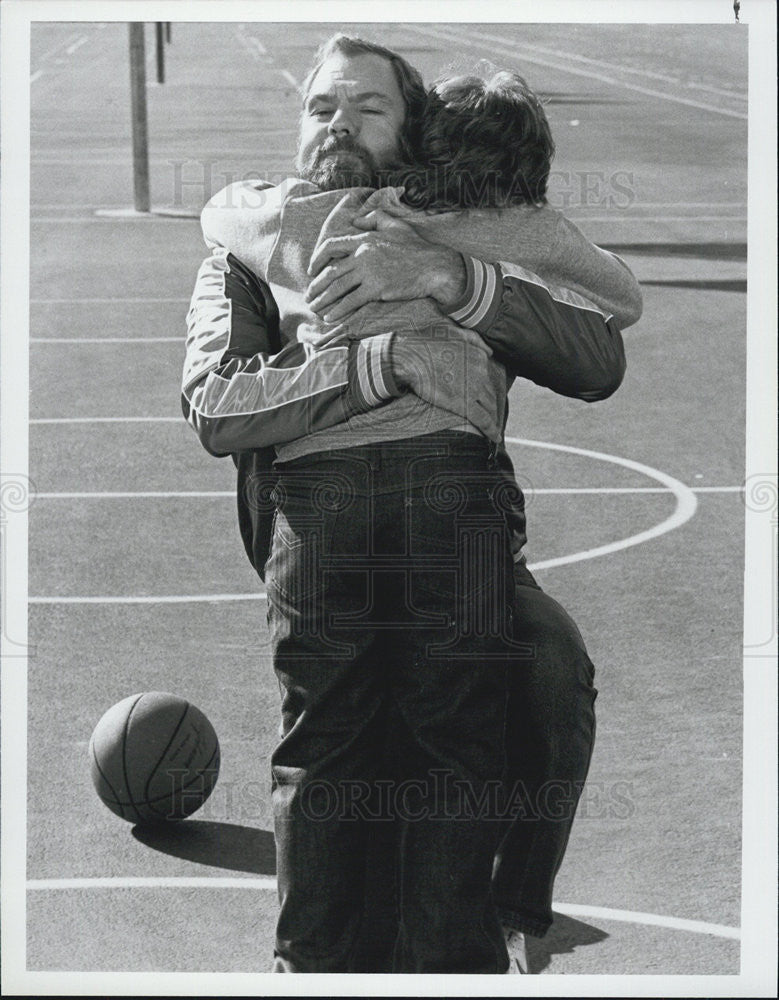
x=550 y=731
x=388 y=587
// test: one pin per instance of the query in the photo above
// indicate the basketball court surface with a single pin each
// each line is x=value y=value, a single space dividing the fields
x=636 y=505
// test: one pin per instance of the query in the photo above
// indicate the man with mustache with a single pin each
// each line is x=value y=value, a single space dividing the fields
x=446 y=925
x=341 y=162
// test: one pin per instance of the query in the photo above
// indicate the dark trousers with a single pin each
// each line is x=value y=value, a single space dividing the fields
x=388 y=593
x=550 y=731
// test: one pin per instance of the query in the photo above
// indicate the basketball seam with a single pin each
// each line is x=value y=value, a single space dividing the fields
x=118 y=802
x=159 y=798
x=124 y=753
x=164 y=752
x=115 y=801
x=202 y=770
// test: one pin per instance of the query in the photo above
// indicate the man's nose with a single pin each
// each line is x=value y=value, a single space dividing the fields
x=343 y=122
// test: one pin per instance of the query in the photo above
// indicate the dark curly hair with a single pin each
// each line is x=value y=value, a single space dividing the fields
x=484 y=143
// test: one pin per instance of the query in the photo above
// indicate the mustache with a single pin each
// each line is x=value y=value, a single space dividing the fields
x=340 y=144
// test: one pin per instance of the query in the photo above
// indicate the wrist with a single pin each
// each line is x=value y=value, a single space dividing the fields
x=449 y=279
x=399 y=362
x=481 y=301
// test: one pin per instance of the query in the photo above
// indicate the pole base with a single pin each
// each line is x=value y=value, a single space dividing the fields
x=154 y=213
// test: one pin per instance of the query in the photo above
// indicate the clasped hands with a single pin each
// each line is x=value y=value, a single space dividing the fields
x=389 y=261
x=386 y=262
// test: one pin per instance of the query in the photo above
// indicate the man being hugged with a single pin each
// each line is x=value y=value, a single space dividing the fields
x=391 y=579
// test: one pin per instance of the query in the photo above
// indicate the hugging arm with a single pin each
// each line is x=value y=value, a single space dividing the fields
x=242 y=390
x=539 y=331
x=561 y=330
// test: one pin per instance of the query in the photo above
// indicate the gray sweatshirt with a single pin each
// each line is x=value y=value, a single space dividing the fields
x=545 y=266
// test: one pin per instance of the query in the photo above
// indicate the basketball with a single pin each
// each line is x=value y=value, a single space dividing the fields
x=154 y=758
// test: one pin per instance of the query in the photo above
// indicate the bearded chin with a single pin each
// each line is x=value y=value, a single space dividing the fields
x=333 y=171
x=347 y=166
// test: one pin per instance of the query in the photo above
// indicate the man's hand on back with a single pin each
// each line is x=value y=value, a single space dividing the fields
x=450 y=370
x=381 y=266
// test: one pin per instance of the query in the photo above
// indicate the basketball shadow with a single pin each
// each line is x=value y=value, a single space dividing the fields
x=563 y=938
x=222 y=845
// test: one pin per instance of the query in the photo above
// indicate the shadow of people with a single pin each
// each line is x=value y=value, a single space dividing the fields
x=222 y=845
x=562 y=938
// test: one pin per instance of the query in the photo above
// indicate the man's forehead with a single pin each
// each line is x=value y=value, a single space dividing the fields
x=361 y=75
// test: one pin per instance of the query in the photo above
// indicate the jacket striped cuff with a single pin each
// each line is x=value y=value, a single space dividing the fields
x=369 y=371
x=483 y=291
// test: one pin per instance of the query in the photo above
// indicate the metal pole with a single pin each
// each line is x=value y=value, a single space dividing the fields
x=160 y=52
x=167 y=31
x=139 y=117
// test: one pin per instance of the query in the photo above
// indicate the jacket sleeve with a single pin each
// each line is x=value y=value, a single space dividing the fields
x=242 y=390
x=541 y=331
x=245 y=218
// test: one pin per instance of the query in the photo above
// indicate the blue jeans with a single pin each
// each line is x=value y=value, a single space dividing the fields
x=550 y=731
x=388 y=587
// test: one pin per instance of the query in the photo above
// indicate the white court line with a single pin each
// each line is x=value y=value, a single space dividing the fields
x=738 y=95
x=686 y=504
x=566 y=490
x=135 y=496
x=76 y=45
x=260 y=48
x=560 y=53
x=107 y=340
x=56 y=48
x=644 y=204
x=36 y=160
x=151 y=217
x=575 y=215
x=650 y=919
x=718 y=489
x=71 y=205
x=162 y=599
x=528 y=491
x=128 y=216
x=90 y=301
x=107 y=420
x=499 y=45
x=653 y=205
x=243 y=39
x=289 y=77
x=223 y=882
x=194 y=882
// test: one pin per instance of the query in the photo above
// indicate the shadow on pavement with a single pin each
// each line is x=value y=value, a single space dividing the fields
x=563 y=938
x=223 y=845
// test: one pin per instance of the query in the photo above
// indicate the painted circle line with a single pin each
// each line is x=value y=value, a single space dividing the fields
x=686 y=504
x=269 y=883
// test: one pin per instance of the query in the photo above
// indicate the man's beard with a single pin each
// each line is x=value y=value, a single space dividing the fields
x=341 y=162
